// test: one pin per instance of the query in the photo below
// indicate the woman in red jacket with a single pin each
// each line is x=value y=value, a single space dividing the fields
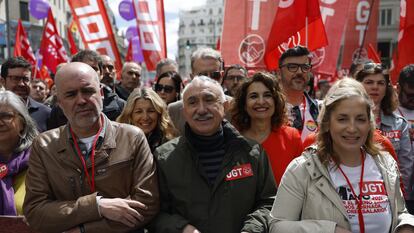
x=259 y=113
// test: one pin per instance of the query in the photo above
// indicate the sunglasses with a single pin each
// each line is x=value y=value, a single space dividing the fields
x=166 y=88
x=216 y=75
x=294 y=67
x=372 y=65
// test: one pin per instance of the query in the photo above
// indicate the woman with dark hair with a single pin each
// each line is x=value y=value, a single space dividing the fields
x=345 y=182
x=259 y=113
x=391 y=125
x=146 y=110
x=168 y=86
x=17 y=131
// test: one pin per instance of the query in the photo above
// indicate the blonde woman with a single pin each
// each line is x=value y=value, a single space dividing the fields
x=146 y=110
x=345 y=182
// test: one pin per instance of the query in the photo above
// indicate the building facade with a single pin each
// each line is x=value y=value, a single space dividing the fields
x=198 y=27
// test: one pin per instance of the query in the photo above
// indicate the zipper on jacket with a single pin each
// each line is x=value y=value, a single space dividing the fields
x=73 y=185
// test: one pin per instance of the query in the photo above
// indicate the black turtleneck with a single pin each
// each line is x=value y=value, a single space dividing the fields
x=210 y=151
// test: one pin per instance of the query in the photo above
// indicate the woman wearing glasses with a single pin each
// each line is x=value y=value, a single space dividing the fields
x=17 y=131
x=344 y=183
x=168 y=87
x=146 y=110
x=259 y=113
x=391 y=125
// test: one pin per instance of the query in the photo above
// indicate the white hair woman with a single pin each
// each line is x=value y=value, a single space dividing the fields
x=17 y=131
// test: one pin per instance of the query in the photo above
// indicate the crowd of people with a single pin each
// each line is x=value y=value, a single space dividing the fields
x=229 y=151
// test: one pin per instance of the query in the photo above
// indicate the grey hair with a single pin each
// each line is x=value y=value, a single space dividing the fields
x=164 y=62
x=29 y=131
x=207 y=81
x=205 y=52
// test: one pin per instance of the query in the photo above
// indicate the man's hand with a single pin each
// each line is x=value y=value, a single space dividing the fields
x=190 y=229
x=121 y=210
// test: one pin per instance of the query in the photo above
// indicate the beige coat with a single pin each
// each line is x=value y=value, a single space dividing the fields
x=307 y=201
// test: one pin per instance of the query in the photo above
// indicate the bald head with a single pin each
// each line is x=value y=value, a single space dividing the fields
x=75 y=70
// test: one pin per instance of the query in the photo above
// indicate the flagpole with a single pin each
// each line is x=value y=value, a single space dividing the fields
x=306 y=31
x=366 y=30
x=8 y=29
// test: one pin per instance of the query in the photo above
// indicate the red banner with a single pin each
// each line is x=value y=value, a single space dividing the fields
x=245 y=31
x=334 y=15
x=404 y=54
x=51 y=48
x=358 y=33
x=95 y=28
x=297 y=22
x=22 y=45
x=151 y=27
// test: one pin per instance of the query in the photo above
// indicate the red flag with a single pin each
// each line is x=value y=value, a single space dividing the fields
x=404 y=54
x=334 y=16
x=373 y=54
x=151 y=27
x=296 y=23
x=128 y=56
x=218 y=44
x=361 y=30
x=51 y=48
x=72 y=45
x=95 y=28
x=22 y=46
x=245 y=31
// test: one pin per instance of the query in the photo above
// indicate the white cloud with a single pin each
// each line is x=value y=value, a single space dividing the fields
x=171 y=7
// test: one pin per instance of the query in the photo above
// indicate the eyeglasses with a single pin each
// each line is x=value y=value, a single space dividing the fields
x=294 y=67
x=297 y=122
x=216 y=75
x=235 y=78
x=17 y=79
x=166 y=88
x=7 y=117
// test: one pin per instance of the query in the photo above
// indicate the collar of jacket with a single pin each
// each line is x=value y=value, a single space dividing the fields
x=108 y=141
x=388 y=120
x=32 y=105
x=313 y=107
x=319 y=172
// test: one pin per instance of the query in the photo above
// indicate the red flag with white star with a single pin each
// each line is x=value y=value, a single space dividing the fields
x=22 y=47
x=51 y=48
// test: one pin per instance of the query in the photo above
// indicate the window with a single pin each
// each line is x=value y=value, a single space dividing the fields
x=24 y=11
x=385 y=17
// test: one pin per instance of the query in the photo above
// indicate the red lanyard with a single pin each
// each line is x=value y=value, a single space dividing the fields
x=358 y=199
x=91 y=180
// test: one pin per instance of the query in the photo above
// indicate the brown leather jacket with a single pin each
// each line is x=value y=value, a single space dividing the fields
x=58 y=196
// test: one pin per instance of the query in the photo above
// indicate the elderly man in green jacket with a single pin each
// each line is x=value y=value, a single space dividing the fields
x=212 y=179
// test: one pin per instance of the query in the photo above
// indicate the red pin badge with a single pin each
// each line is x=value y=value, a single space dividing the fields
x=3 y=170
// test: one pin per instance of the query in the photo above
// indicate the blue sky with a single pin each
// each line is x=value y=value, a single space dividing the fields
x=171 y=8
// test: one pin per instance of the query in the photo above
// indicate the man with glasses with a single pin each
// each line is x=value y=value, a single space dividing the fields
x=204 y=62
x=295 y=66
x=16 y=77
x=130 y=79
x=233 y=78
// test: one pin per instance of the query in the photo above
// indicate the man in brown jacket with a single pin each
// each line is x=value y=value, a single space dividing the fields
x=91 y=175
